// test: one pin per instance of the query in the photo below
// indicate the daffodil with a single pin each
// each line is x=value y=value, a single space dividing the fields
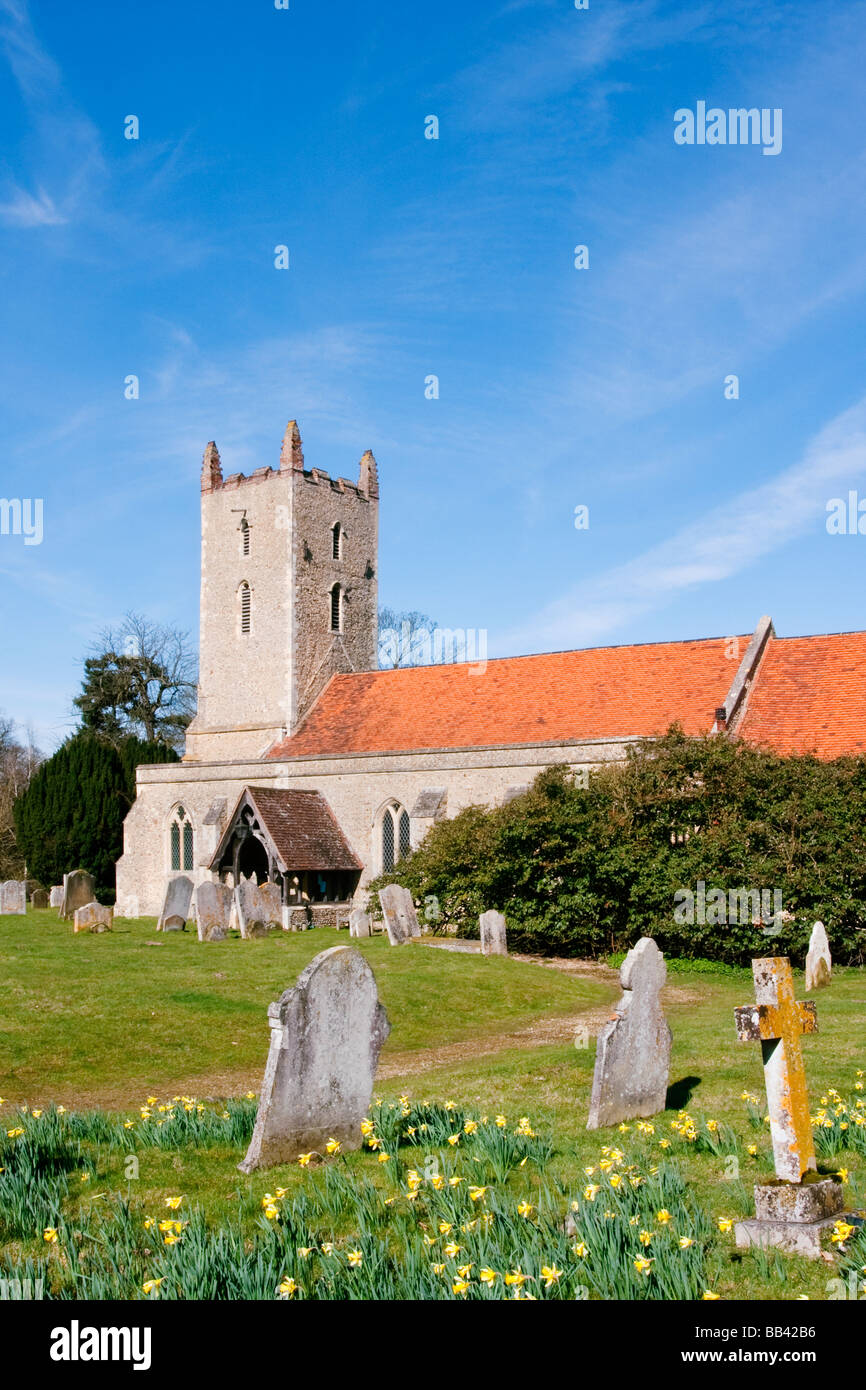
x=709 y=1297
x=50 y=1236
x=725 y=1223
x=525 y=1209
x=685 y=1242
x=488 y=1276
x=173 y=1203
x=305 y=1160
x=333 y=1146
x=580 y=1249
x=355 y=1258
x=643 y=1266
x=288 y=1288
x=150 y=1286
x=551 y=1275
x=663 y=1216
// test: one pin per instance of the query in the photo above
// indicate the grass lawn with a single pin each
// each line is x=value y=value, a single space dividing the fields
x=105 y=1020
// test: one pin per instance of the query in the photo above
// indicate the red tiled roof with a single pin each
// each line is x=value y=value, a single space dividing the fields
x=302 y=828
x=603 y=692
x=809 y=696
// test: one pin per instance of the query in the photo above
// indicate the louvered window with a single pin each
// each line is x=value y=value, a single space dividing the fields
x=246 y=610
x=336 y=597
x=337 y=541
x=245 y=536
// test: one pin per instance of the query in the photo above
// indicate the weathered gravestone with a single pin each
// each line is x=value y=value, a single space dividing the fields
x=633 y=1056
x=793 y=1212
x=261 y=908
x=13 y=898
x=359 y=923
x=213 y=902
x=39 y=899
x=398 y=909
x=79 y=889
x=176 y=904
x=56 y=896
x=326 y=1035
x=494 y=940
x=92 y=917
x=819 y=963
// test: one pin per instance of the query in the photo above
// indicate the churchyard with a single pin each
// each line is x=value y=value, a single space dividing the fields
x=132 y=1063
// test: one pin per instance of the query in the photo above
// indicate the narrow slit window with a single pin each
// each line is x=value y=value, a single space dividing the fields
x=336 y=603
x=337 y=541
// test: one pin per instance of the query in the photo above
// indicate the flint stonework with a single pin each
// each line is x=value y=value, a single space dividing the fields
x=819 y=963
x=632 y=1062
x=213 y=903
x=494 y=940
x=92 y=917
x=326 y=1035
x=176 y=904
x=79 y=889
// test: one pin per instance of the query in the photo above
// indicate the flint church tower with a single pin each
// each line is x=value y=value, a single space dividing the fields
x=288 y=596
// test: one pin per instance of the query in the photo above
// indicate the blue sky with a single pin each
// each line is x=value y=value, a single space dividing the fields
x=454 y=257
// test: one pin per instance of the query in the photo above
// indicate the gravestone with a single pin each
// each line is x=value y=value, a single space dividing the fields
x=13 y=898
x=494 y=941
x=359 y=923
x=39 y=900
x=176 y=904
x=819 y=963
x=56 y=897
x=92 y=917
x=213 y=903
x=326 y=1035
x=261 y=908
x=79 y=889
x=398 y=909
x=632 y=1060
x=793 y=1212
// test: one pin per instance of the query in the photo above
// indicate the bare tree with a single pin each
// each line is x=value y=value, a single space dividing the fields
x=140 y=680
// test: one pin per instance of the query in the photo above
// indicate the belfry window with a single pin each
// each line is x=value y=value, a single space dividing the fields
x=246 y=608
x=336 y=608
x=181 y=840
x=337 y=542
x=245 y=537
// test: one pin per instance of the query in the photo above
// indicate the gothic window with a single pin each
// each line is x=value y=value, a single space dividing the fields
x=246 y=610
x=337 y=542
x=404 y=833
x=394 y=837
x=336 y=608
x=245 y=536
x=181 y=838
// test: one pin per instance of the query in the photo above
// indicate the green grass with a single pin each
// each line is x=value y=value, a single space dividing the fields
x=108 y=1016
x=104 y=1019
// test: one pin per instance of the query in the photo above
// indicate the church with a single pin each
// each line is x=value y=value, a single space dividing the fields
x=307 y=766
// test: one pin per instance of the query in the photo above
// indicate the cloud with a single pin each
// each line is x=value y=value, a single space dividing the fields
x=720 y=543
x=25 y=210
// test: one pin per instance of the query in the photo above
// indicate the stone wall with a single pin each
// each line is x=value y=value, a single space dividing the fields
x=356 y=787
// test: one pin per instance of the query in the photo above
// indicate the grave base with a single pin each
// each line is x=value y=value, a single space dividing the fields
x=792 y=1216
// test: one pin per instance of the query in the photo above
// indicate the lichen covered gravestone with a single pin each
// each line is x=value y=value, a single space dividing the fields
x=213 y=903
x=494 y=941
x=326 y=1035
x=56 y=897
x=261 y=909
x=398 y=909
x=79 y=889
x=13 y=898
x=819 y=964
x=793 y=1212
x=92 y=917
x=359 y=923
x=633 y=1056
x=176 y=904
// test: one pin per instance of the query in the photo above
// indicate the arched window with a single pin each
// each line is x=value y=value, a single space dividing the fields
x=245 y=536
x=337 y=542
x=181 y=839
x=246 y=607
x=336 y=608
x=394 y=835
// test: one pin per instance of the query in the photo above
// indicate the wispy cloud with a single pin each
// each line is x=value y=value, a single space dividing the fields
x=714 y=547
x=26 y=210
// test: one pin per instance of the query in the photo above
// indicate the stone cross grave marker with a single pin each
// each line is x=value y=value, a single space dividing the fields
x=494 y=941
x=79 y=889
x=13 y=898
x=819 y=964
x=326 y=1035
x=176 y=904
x=633 y=1055
x=777 y=1021
x=213 y=903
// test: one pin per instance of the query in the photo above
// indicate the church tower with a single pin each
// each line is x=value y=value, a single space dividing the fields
x=289 y=595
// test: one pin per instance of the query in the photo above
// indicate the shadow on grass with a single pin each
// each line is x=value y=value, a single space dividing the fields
x=681 y=1092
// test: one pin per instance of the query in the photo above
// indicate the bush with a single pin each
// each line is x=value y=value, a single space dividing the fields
x=588 y=870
